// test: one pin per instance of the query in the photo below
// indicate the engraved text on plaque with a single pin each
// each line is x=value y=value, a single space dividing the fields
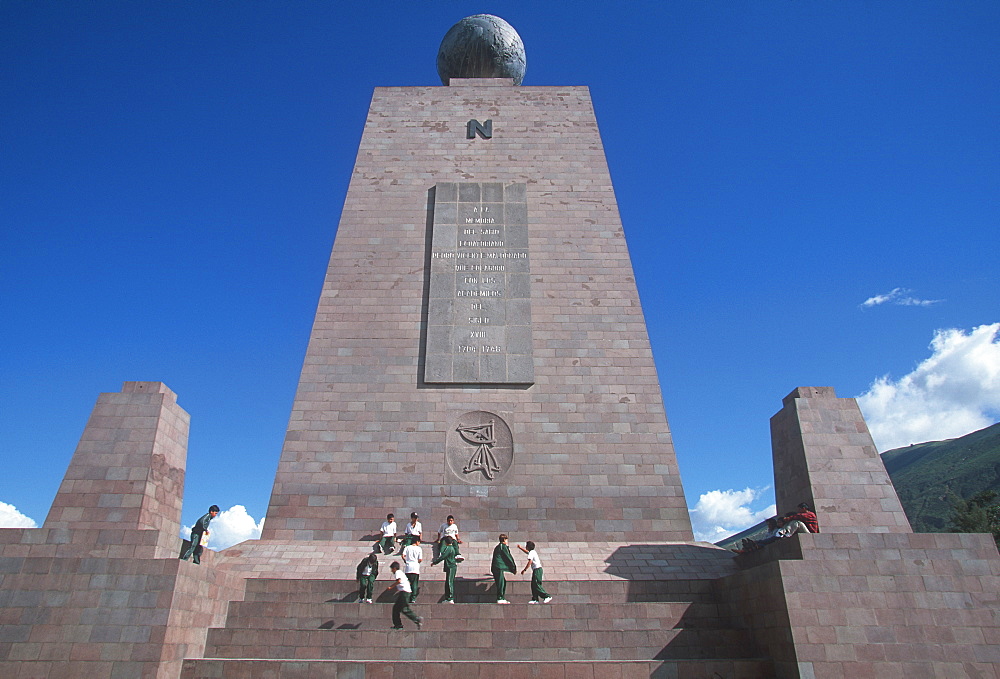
x=479 y=310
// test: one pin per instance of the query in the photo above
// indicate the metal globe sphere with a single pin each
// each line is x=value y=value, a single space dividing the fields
x=481 y=46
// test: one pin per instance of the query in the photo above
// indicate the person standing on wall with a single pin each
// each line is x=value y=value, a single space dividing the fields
x=200 y=527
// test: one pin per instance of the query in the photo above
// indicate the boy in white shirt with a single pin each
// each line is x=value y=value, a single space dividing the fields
x=413 y=530
x=412 y=556
x=387 y=545
x=449 y=529
x=402 y=603
x=538 y=593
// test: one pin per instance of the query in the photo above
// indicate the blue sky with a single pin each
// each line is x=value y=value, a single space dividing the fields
x=172 y=174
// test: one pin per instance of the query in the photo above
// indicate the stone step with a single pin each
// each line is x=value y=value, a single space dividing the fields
x=563 y=560
x=479 y=617
x=481 y=589
x=427 y=644
x=748 y=668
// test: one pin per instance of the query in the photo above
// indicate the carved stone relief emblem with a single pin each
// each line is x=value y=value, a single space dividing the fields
x=480 y=449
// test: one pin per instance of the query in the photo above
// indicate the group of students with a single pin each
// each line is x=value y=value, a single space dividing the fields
x=407 y=577
x=412 y=532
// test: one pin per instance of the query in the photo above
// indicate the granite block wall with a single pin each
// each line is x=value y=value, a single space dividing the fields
x=881 y=605
x=127 y=472
x=592 y=451
x=98 y=590
x=824 y=455
x=106 y=616
x=866 y=597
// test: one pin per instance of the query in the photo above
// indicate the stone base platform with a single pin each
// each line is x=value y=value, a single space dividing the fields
x=341 y=669
x=822 y=606
x=563 y=560
x=887 y=605
x=96 y=603
x=618 y=610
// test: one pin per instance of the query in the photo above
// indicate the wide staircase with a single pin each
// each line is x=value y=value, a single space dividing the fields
x=316 y=628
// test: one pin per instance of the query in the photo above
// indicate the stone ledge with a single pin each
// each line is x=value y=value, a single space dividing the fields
x=562 y=561
x=965 y=547
x=341 y=669
x=480 y=82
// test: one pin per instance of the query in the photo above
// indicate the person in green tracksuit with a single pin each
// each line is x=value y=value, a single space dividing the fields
x=503 y=562
x=367 y=574
x=447 y=555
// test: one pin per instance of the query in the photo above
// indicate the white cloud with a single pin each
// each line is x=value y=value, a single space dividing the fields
x=954 y=392
x=721 y=513
x=11 y=518
x=899 y=297
x=230 y=527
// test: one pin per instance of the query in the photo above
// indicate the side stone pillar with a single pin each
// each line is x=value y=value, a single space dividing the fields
x=127 y=472
x=824 y=455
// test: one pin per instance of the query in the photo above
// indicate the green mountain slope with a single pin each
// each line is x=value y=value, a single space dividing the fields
x=924 y=473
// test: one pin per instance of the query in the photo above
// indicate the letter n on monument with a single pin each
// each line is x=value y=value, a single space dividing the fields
x=474 y=127
x=479 y=348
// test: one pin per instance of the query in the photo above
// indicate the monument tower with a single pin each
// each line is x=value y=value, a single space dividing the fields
x=479 y=347
x=479 y=350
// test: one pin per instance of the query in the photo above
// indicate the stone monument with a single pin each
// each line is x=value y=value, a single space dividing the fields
x=479 y=347
x=479 y=350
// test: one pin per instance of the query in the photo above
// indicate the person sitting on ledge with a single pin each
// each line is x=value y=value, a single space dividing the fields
x=387 y=544
x=802 y=521
x=772 y=532
x=449 y=529
x=750 y=545
x=411 y=533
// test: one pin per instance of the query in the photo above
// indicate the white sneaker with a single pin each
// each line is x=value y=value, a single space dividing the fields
x=459 y=558
x=532 y=602
x=502 y=601
x=450 y=601
x=368 y=601
x=546 y=600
